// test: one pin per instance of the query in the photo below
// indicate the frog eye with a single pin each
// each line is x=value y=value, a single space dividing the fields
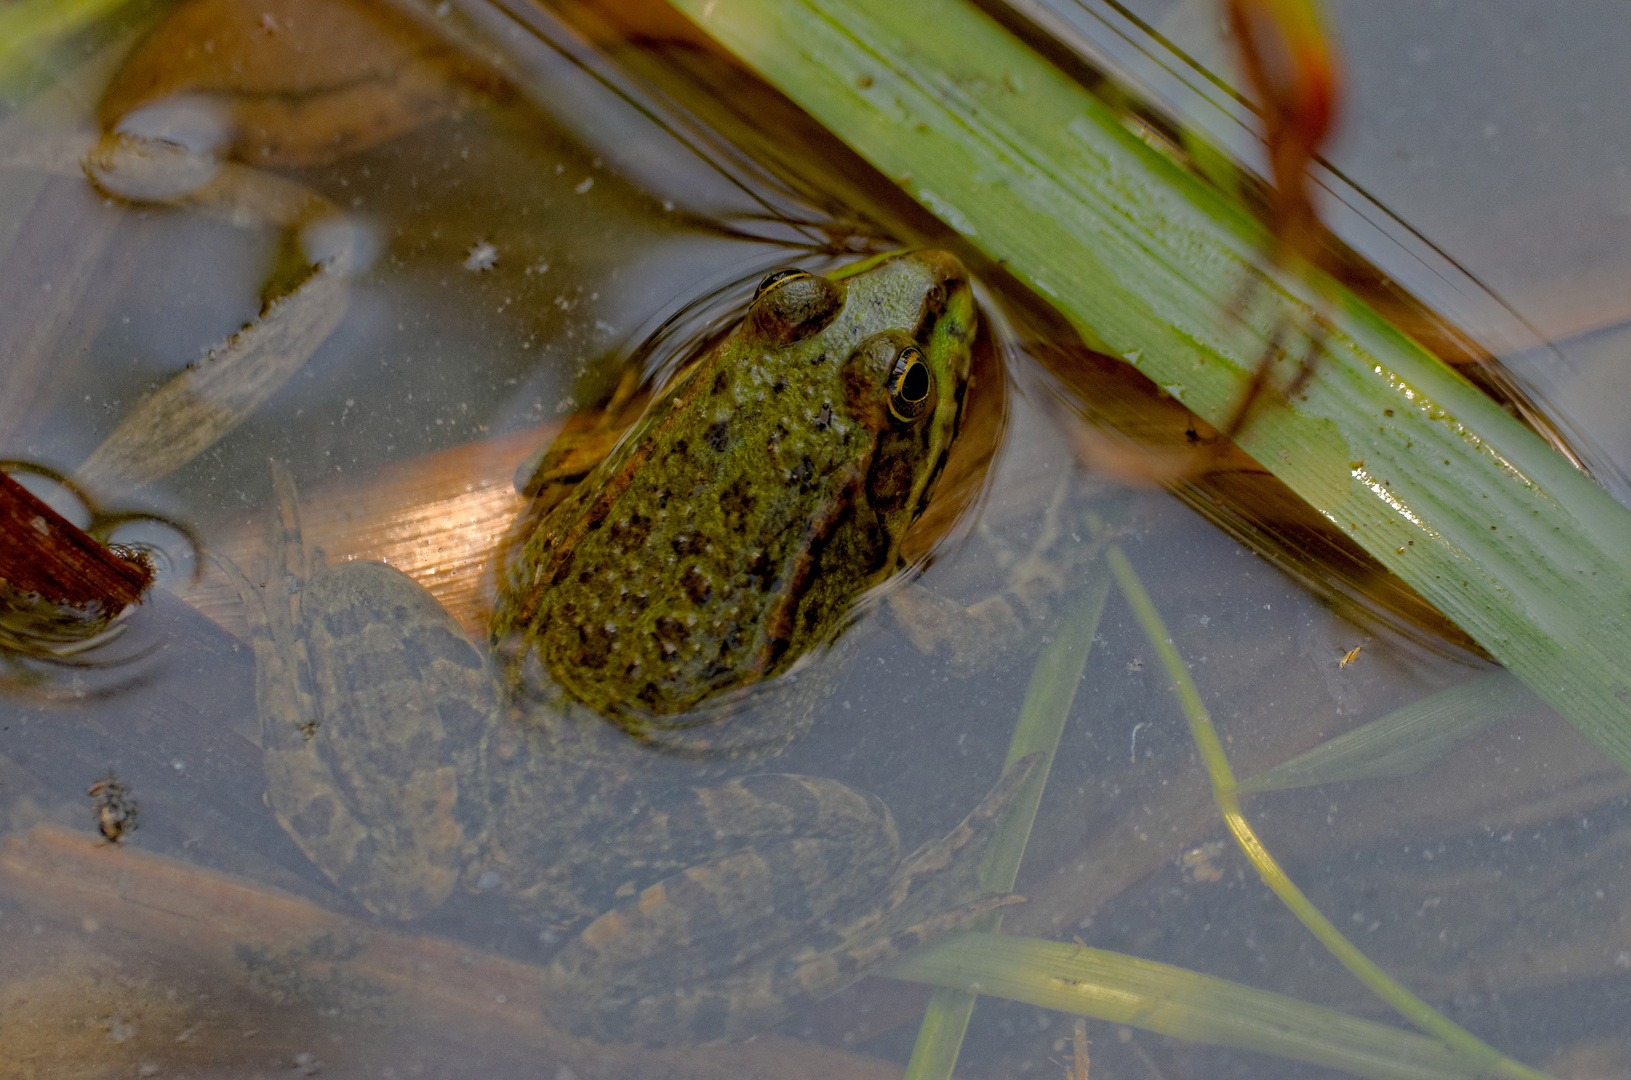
x=791 y=305
x=775 y=278
x=911 y=385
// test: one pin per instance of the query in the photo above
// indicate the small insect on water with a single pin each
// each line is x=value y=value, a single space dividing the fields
x=116 y=811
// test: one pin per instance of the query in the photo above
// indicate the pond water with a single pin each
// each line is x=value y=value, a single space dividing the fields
x=519 y=209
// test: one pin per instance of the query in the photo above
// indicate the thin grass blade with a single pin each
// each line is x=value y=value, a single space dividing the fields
x=1173 y=1001
x=1404 y=740
x=1048 y=699
x=1467 y=1046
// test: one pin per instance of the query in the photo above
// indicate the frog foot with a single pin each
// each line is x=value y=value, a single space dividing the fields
x=975 y=636
x=591 y=988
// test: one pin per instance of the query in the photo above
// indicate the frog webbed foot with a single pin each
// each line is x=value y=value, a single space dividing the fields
x=729 y=947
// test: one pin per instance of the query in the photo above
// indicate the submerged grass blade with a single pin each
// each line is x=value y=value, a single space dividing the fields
x=1048 y=699
x=1052 y=691
x=1483 y=519
x=1173 y=1001
x=1405 y=739
x=1487 y=1059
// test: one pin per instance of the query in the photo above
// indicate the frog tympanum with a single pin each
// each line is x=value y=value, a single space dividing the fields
x=599 y=776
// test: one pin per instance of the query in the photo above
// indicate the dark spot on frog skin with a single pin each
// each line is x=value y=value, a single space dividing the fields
x=596 y=640
x=722 y=382
x=761 y=571
x=802 y=474
x=426 y=644
x=718 y=435
x=671 y=633
x=316 y=817
x=696 y=585
x=687 y=544
x=812 y=615
x=823 y=418
x=631 y=533
x=458 y=714
x=778 y=386
x=736 y=502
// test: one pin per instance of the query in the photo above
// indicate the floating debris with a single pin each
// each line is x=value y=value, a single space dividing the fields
x=62 y=591
x=116 y=811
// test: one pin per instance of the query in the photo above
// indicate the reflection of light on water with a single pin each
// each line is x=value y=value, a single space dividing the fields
x=438 y=519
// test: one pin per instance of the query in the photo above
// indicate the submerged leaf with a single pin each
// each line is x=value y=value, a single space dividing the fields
x=188 y=414
x=1173 y=1001
x=1405 y=739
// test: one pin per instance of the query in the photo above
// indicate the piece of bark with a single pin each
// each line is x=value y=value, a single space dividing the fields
x=42 y=552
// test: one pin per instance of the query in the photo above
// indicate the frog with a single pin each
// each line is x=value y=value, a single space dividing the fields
x=599 y=773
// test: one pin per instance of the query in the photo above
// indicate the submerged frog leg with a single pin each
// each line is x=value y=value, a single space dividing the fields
x=282 y=672
x=688 y=827
x=619 y=981
x=1033 y=580
x=728 y=872
x=373 y=703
